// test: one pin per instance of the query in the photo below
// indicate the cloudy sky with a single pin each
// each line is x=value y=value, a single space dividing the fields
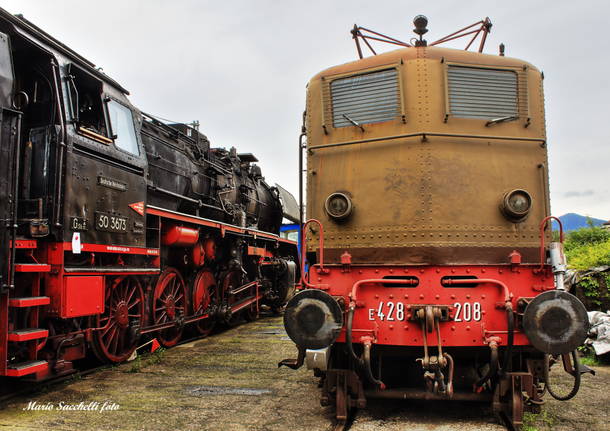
x=240 y=67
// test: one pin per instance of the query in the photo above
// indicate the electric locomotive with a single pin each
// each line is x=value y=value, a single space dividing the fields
x=432 y=274
x=116 y=227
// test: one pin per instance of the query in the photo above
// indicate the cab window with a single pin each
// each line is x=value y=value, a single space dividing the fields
x=86 y=109
x=123 y=130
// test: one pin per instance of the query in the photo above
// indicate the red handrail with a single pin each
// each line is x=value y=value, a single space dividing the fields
x=504 y=287
x=357 y=284
x=304 y=249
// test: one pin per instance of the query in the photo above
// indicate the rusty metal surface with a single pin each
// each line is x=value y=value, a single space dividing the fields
x=430 y=195
x=414 y=394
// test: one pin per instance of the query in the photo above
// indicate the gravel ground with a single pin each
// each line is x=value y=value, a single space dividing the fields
x=230 y=381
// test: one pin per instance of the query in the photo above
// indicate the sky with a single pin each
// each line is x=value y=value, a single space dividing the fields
x=240 y=67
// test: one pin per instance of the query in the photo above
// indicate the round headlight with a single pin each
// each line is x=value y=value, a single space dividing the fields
x=516 y=204
x=338 y=206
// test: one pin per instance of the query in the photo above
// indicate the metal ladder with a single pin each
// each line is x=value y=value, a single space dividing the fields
x=33 y=336
x=12 y=273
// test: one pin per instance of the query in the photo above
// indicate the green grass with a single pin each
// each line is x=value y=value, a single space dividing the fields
x=142 y=361
x=590 y=361
x=528 y=421
x=532 y=421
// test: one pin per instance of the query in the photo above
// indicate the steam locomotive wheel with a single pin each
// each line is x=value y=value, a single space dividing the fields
x=123 y=313
x=508 y=401
x=204 y=295
x=169 y=305
x=251 y=313
x=230 y=282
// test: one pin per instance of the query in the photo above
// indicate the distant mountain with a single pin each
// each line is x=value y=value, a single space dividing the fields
x=573 y=221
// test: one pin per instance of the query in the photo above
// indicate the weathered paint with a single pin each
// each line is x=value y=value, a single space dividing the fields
x=421 y=198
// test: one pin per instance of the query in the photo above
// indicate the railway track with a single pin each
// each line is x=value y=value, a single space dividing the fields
x=340 y=426
x=31 y=387
x=191 y=387
x=11 y=388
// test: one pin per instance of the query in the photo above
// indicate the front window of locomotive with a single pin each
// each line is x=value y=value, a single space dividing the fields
x=123 y=129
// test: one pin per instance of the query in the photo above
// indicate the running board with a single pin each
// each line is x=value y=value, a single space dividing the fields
x=31 y=301
x=25 y=368
x=27 y=334
x=32 y=267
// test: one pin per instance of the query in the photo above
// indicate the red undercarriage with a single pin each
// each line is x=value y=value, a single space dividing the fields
x=427 y=309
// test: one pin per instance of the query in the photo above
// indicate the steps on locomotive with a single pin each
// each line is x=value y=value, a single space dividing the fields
x=32 y=335
x=25 y=368
x=30 y=301
x=32 y=267
x=27 y=334
x=25 y=244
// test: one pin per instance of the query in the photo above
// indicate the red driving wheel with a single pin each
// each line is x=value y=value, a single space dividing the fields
x=169 y=305
x=123 y=312
x=204 y=295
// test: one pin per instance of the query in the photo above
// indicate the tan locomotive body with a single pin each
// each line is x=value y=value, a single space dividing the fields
x=427 y=219
x=428 y=184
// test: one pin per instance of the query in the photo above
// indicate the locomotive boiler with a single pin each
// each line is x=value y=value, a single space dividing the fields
x=116 y=227
x=432 y=274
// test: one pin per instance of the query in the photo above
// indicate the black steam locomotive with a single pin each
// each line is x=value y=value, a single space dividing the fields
x=115 y=226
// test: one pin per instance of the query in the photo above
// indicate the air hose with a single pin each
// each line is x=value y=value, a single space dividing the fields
x=367 y=367
x=363 y=363
x=508 y=356
x=493 y=366
x=348 y=335
x=576 y=386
